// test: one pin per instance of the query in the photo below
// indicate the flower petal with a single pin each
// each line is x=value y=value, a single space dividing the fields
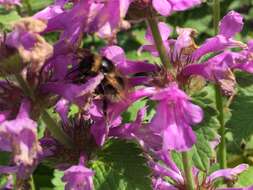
x=231 y=24
x=229 y=173
x=163 y=7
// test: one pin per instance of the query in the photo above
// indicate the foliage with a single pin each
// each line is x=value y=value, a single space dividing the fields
x=120 y=165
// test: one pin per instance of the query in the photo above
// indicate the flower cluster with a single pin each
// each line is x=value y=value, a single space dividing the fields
x=41 y=82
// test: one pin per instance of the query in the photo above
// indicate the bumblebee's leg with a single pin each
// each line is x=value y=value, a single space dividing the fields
x=102 y=90
x=105 y=107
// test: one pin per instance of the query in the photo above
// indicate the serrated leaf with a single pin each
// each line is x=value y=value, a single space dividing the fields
x=177 y=158
x=206 y=130
x=56 y=181
x=245 y=84
x=241 y=122
x=46 y=178
x=246 y=179
x=120 y=166
x=43 y=176
x=202 y=151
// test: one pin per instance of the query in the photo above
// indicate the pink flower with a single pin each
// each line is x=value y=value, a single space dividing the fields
x=78 y=177
x=9 y=3
x=229 y=26
x=19 y=136
x=170 y=128
x=167 y=168
x=167 y=7
x=175 y=115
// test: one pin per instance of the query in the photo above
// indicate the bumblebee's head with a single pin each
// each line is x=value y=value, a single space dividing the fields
x=107 y=65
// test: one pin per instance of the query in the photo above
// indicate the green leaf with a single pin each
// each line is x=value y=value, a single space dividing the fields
x=177 y=158
x=4 y=158
x=46 y=178
x=202 y=151
x=241 y=122
x=120 y=166
x=131 y=112
x=206 y=130
x=7 y=18
x=3 y=181
x=56 y=181
x=246 y=179
x=38 y=5
x=43 y=176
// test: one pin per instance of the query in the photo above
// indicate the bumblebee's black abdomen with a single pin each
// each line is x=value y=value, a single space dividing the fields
x=86 y=64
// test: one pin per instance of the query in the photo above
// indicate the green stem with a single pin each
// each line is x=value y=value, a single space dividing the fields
x=29 y=7
x=216 y=15
x=18 y=9
x=31 y=183
x=222 y=153
x=188 y=171
x=56 y=130
x=25 y=87
x=158 y=42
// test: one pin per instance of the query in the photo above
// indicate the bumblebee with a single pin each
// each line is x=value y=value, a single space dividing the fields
x=112 y=87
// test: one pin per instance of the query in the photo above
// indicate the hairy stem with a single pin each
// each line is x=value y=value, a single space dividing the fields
x=158 y=42
x=56 y=130
x=31 y=183
x=29 y=7
x=216 y=15
x=25 y=87
x=52 y=126
x=222 y=153
x=188 y=171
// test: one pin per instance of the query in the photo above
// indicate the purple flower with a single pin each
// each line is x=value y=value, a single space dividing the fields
x=114 y=11
x=78 y=177
x=103 y=17
x=31 y=46
x=8 y=4
x=160 y=184
x=168 y=169
x=175 y=115
x=185 y=54
x=167 y=7
x=102 y=126
x=217 y=70
x=148 y=139
x=229 y=173
x=73 y=92
x=81 y=93
x=127 y=67
x=229 y=26
x=170 y=128
x=19 y=136
x=51 y=11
